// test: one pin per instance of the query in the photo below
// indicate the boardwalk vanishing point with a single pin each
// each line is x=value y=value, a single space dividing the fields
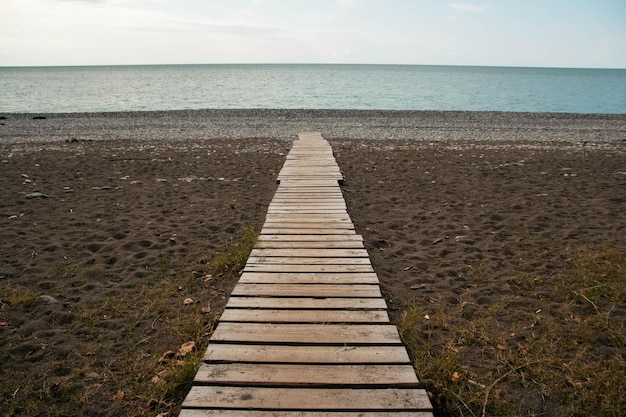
x=305 y=331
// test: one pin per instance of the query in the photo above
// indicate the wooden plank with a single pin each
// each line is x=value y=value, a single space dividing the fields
x=318 y=171
x=306 y=211
x=331 y=253
x=370 y=334
x=310 y=245
x=306 y=268
x=307 y=302
x=319 y=218
x=307 y=231
x=218 y=352
x=311 y=375
x=311 y=238
x=298 y=203
x=304 y=316
x=307 y=290
x=307 y=398
x=333 y=192
x=331 y=182
x=310 y=200
x=305 y=206
x=308 y=278
x=191 y=412
x=344 y=225
x=285 y=260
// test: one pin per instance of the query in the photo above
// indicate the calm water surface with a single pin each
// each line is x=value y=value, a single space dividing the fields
x=384 y=87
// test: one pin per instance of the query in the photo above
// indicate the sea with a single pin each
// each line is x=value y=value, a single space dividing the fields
x=310 y=86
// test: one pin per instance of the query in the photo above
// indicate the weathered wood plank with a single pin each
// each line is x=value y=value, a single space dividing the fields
x=304 y=183
x=307 y=398
x=310 y=201
x=297 y=375
x=306 y=302
x=332 y=192
x=218 y=352
x=304 y=316
x=300 y=207
x=371 y=334
x=263 y=267
x=310 y=245
x=308 y=231
x=306 y=211
x=328 y=225
x=311 y=238
x=277 y=260
x=308 y=278
x=319 y=253
x=275 y=413
x=319 y=218
x=307 y=290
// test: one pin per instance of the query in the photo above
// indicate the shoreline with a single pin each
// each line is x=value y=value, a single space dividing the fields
x=333 y=124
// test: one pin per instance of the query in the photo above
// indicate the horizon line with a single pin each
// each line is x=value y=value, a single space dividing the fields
x=304 y=63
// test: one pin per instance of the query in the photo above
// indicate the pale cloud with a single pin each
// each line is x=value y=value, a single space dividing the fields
x=471 y=8
x=343 y=5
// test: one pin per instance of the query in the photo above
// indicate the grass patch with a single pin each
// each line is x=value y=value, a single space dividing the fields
x=233 y=260
x=16 y=296
x=512 y=358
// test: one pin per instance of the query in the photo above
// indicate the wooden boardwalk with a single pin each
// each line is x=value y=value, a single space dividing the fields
x=306 y=331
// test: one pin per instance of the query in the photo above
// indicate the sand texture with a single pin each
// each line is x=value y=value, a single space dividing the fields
x=103 y=215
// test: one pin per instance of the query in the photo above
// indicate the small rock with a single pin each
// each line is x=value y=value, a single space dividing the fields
x=436 y=241
x=48 y=299
x=36 y=195
x=25 y=176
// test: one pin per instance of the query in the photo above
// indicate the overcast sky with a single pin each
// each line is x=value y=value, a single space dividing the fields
x=546 y=33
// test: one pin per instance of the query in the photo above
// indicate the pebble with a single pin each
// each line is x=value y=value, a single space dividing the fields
x=48 y=299
x=36 y=195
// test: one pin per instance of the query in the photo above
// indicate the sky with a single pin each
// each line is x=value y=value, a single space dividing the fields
x=528 y=33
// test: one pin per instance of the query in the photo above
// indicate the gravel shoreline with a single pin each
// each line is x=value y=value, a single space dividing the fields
x=333 y=124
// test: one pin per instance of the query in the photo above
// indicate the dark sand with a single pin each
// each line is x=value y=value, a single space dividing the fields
x=131 y=197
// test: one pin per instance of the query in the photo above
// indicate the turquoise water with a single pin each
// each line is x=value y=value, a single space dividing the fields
x=384 y=87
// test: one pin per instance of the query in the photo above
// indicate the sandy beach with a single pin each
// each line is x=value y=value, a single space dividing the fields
x=474 y=222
